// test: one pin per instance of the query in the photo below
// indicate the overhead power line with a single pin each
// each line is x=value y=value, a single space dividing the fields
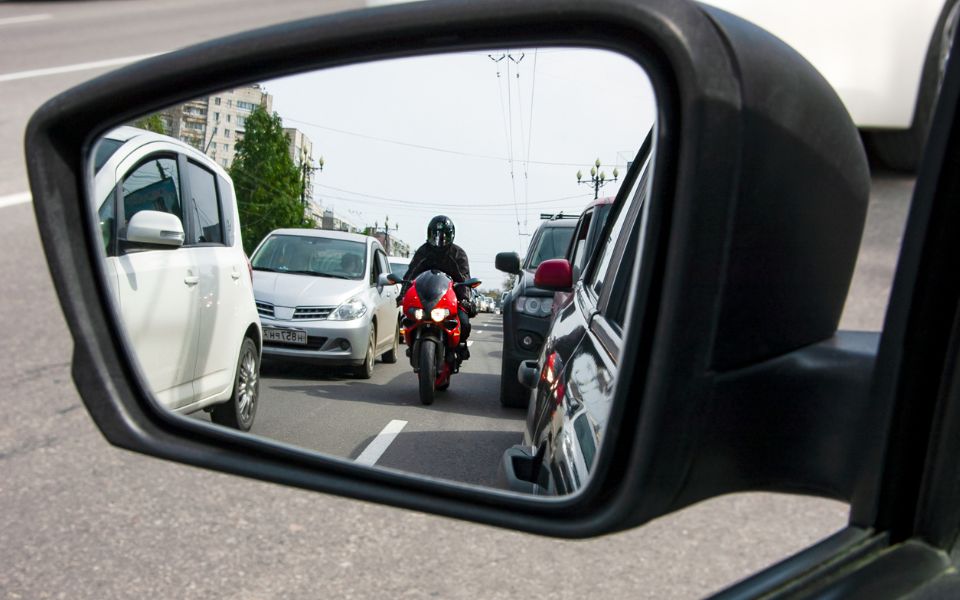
x=432 y=148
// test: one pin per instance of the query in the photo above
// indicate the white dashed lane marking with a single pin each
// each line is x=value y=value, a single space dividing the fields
x=100 y=64
x=372 y=453
x=14 y=199
x=24 y=19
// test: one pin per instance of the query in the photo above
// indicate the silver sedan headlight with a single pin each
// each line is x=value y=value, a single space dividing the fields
x=354 y=308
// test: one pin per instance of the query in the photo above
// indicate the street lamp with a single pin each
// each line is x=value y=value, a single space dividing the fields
x=597 y=180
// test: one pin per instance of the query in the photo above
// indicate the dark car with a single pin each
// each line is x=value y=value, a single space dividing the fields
x=526 y=308
x=573 y=378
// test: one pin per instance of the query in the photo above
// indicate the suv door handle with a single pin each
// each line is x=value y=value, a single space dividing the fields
x=235 y=275
x=191 y=279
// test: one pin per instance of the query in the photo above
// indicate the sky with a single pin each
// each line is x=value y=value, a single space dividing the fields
x=490 y=139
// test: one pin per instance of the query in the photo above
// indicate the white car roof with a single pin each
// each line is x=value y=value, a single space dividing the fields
x=134 y=137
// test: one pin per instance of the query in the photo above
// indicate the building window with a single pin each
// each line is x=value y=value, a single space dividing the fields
x=228 y=118
x=241 y=121
x=216 y=117
x=229 y=102
x=246 y=105
x=215 y=131
x=223 y=161
x=226 y=147
x=226 y=133
x=216 y=101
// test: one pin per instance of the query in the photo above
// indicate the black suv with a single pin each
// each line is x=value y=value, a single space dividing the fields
x=573 y=378
x=526 y=308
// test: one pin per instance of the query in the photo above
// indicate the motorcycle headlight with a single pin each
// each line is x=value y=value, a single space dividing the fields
x=418 y=314
x=354 y=308
x=439 y=314
x=537 y=307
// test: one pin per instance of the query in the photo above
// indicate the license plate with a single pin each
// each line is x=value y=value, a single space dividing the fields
x=289 y=336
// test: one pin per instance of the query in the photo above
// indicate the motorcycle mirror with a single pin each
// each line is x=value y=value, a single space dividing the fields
x=389 y=279
x=473 y=282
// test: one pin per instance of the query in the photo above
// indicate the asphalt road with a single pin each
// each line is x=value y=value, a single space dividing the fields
x=460 y=437
x=80 y=519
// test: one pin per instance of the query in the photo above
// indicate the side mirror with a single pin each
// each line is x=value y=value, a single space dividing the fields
x=767 y=279
x=152 y=228
x=508 y=262
x=555 y=275
x=388 y=279
x=527 y=374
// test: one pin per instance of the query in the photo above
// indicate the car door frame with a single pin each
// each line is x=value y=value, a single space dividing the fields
x=182 y=392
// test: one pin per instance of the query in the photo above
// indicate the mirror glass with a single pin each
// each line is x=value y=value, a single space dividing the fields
x=247 y=235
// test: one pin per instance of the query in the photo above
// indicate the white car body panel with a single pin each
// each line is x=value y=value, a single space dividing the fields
x=871 y=51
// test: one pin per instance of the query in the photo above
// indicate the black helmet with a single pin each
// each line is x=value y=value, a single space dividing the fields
x=440 y=231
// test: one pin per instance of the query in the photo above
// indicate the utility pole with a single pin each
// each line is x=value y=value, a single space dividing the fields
x=307 y=171
x=597 y=180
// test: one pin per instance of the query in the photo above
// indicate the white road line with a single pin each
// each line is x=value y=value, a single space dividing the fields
x=14 y=199
x=111 y=62
x=372 y=453
x=24 y=19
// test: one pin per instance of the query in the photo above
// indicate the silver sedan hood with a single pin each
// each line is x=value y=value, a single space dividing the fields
x=292 y=290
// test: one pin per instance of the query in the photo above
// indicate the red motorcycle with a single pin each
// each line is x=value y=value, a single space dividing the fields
x=430 y=327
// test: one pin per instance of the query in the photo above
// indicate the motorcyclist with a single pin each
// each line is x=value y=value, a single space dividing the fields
x=440 y=253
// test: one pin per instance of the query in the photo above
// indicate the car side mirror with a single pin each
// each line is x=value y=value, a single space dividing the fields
x=154 y=229
x=527 y=374
x=751 y=218
x=555 y=275
x=508 y=262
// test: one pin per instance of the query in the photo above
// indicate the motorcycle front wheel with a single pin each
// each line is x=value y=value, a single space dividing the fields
x=428 y=371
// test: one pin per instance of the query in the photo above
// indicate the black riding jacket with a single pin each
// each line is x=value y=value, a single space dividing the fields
x=452 y=260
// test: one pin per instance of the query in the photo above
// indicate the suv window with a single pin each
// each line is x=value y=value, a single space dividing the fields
x=579 y=244
x=153 y=185
x=551 y=243
x=205 y=205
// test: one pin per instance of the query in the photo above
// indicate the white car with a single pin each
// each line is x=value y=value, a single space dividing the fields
x=321 y=301
x=885 y=59
x=178 y=273
x=398 y=265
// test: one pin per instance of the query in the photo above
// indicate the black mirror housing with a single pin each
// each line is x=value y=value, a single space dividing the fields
x=508 y=262
x=732 y=246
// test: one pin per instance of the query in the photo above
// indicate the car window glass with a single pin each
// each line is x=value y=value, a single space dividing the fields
x=107 y=216
x=105 y=149
x=205 y=206
x=552 y=243
x=580 y=242
x=375 y=268
x=154 y=185
x=609 y=244
x=615 y=311
x=311 y=255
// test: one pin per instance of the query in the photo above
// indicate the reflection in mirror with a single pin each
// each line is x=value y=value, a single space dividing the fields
x=375 y=203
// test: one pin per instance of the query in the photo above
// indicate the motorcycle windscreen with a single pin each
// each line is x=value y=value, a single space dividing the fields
x=431 y=286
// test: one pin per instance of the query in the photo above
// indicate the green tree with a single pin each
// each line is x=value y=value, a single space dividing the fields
x=152 y=123
x=268 y=183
